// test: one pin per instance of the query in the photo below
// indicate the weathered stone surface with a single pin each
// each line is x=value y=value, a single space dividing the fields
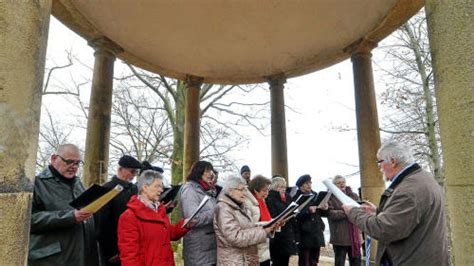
x=15 y=209
x=192 y=123
x=100 y=111
x=278 y=123
x=23 y=37
x=451 y=34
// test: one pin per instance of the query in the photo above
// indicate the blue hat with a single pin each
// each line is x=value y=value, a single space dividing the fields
x=244 y=169
x=303 y=179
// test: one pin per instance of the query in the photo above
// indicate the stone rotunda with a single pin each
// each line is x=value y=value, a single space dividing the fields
x=230 y=42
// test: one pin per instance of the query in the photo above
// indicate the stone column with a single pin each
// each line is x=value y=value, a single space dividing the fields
x=368 y=134
x=451 y=35
x=23 y=39
x=192 y=123
x=278 y=121
x=100 y=108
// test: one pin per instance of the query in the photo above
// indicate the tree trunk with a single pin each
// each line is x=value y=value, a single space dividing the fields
x=430 y=126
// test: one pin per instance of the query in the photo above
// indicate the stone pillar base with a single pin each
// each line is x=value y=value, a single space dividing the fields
x=15 y=209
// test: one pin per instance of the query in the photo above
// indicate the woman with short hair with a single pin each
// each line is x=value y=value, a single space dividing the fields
x=259 y=187
x=345 y=236
x=237 y=234
x=199 y=246
x=283 y=245
x=144 y=229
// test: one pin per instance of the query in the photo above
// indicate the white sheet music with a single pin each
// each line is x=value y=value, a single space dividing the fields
x=345 y=200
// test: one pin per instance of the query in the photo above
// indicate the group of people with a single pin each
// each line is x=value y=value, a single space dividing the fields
x=134 y=228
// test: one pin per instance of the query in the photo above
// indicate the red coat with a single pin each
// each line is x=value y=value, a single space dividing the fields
x=144 y=236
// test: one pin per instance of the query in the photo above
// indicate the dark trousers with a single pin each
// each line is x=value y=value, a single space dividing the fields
x=279 y=259
x=340 y=256
x=265 y=263
x=308 y=257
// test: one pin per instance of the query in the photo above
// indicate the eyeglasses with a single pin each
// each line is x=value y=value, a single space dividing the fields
x=242 y=189
x=380 y=161
x=71 y=162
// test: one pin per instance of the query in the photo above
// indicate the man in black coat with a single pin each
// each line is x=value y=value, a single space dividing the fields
x=109 y=215
x=61 y=235
x=310 y=226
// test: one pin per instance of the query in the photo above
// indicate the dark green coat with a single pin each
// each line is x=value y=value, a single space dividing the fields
x=56 y=237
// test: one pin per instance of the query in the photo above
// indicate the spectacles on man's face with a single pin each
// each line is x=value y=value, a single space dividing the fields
x=71 y=162
x=380 y=161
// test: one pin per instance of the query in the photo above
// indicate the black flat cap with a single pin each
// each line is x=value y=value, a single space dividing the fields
x=148 y=166
x=128 y=161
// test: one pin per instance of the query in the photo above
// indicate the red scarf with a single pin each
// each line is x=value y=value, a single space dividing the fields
x=264 y=213
x=283 y=197
x=205 y=185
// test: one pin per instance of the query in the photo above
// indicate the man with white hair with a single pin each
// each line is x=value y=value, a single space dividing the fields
x=409 y=223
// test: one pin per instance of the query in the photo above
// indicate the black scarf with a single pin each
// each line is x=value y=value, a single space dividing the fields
x=68 y=181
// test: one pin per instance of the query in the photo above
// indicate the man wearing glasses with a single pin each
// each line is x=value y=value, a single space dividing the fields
x=61 y=235
x=109 y=215
x=409 y=222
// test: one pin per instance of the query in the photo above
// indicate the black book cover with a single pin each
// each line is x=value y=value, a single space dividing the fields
x=320 y=197
x=90 y=195
x=170 y=194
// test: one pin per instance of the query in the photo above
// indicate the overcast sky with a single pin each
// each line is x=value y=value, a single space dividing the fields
x=320 y=103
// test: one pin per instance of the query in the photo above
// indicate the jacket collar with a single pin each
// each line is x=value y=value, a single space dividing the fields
x=401 y=176
x=145 y=213
x=121 y=182
x=227 y=200
x=47 y=174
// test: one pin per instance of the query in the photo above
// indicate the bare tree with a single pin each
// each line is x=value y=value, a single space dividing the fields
x=412 y=116
x=222 y=119
x=60 y=83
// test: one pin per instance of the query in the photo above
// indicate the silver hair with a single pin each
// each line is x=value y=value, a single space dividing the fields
x=338 y=177
x=397 y=151
x=146 y=178
x=233 y=182
x=68 y=146
x=276 y=182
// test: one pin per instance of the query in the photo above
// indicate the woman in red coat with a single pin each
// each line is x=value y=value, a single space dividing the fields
x=144 y=229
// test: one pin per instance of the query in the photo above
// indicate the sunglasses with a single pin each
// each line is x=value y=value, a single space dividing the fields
x=71 y=162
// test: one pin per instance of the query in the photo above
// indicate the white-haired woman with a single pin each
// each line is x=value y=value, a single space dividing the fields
x=237 y=235
x=144 y=230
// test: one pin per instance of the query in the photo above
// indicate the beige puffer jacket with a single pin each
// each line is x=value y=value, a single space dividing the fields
x=237 y=235
x=252 y=205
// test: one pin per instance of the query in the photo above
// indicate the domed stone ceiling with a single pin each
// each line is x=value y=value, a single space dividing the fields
x=235 y=41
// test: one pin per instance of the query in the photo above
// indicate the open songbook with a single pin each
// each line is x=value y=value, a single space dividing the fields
x=298 y=205
x=282 y=216
x=95 y=197
x=199 y=208
x=322 y=198
x=170 y=194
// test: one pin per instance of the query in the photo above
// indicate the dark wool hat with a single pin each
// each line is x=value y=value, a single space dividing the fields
x=148 y=166
x=244 y=169
x=128 y=161
x=303 y=179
